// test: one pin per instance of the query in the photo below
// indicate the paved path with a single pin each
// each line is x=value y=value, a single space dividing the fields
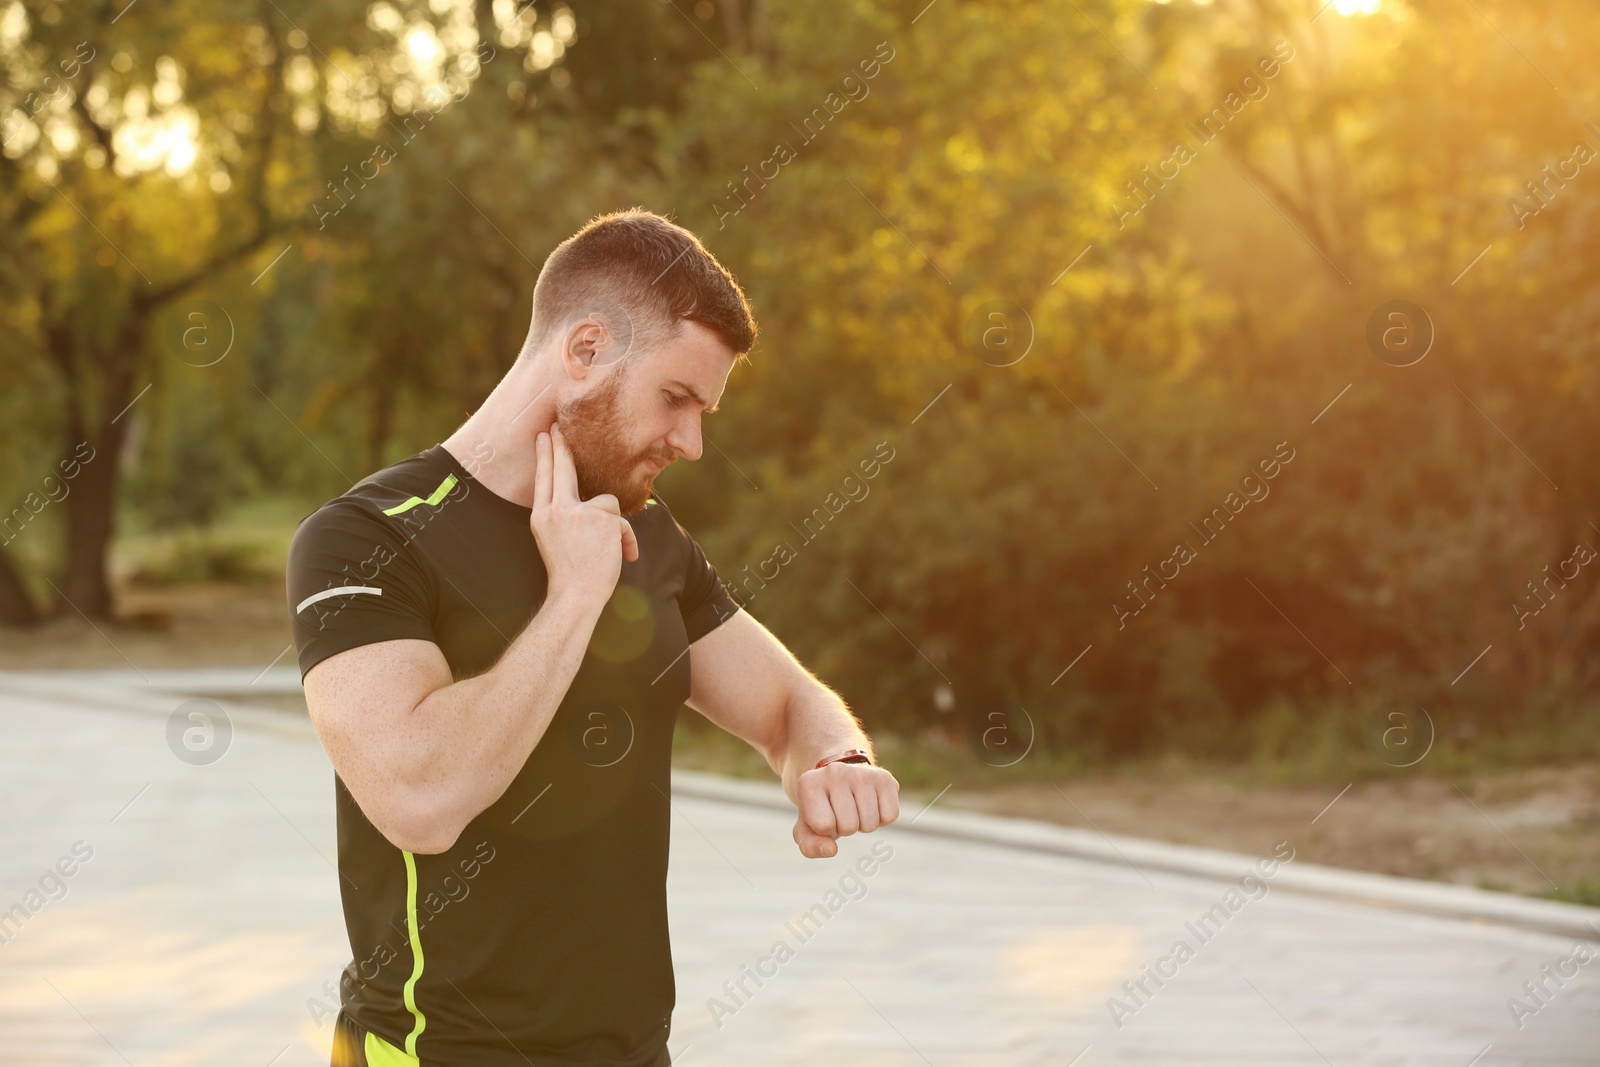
x=206 y=923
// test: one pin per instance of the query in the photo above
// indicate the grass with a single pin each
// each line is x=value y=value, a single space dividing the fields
x=1580 y=892
x=248 y=544
x=928 y=762
x=1326 y=755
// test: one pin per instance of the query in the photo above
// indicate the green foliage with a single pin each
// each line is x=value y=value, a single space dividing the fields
x=880 y=176
x=1197 y=339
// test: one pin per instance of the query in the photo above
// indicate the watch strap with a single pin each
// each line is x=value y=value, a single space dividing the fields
x=849 y=755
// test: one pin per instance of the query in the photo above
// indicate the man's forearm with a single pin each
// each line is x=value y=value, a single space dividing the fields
x=486 y=726
x=817 y=724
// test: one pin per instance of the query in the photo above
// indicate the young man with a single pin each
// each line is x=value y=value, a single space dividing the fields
x=496 y=635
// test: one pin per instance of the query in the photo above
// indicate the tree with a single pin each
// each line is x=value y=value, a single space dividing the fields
x=112 y=128
x=154 y=155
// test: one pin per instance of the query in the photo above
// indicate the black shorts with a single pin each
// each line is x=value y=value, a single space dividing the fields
x=347 y=1041
x=350 y=1046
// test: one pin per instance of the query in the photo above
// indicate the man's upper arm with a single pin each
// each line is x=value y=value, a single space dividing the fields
x=361 y=611
x=741 y=678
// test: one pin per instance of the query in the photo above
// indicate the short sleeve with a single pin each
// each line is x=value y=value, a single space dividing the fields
x=705 y=602
x=352 y=581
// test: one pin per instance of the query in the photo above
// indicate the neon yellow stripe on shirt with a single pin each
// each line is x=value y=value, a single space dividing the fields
x=416 y=952
x=433 y=500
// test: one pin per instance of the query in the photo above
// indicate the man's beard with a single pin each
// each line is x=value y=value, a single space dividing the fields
x=593 y=428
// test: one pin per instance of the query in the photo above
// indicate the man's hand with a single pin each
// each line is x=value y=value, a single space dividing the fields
x=839 y=800
x=582 y=542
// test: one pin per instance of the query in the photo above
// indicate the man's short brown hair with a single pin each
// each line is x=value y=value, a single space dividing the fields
x=656 y=272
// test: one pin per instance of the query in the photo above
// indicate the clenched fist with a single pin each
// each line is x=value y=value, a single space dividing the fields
x=841 y=799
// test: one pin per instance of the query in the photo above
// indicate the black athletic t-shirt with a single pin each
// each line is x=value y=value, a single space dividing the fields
x=542 y=933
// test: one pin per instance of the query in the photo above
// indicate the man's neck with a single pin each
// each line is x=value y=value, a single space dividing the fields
x=496 y=443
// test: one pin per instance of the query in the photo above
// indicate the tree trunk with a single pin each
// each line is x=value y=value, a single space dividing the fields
x=91 y=506
x=16 y=606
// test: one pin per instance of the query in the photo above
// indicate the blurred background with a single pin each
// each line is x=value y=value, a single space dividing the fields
x=1225 y=371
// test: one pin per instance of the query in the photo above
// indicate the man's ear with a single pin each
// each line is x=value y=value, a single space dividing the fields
x=584 y=348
